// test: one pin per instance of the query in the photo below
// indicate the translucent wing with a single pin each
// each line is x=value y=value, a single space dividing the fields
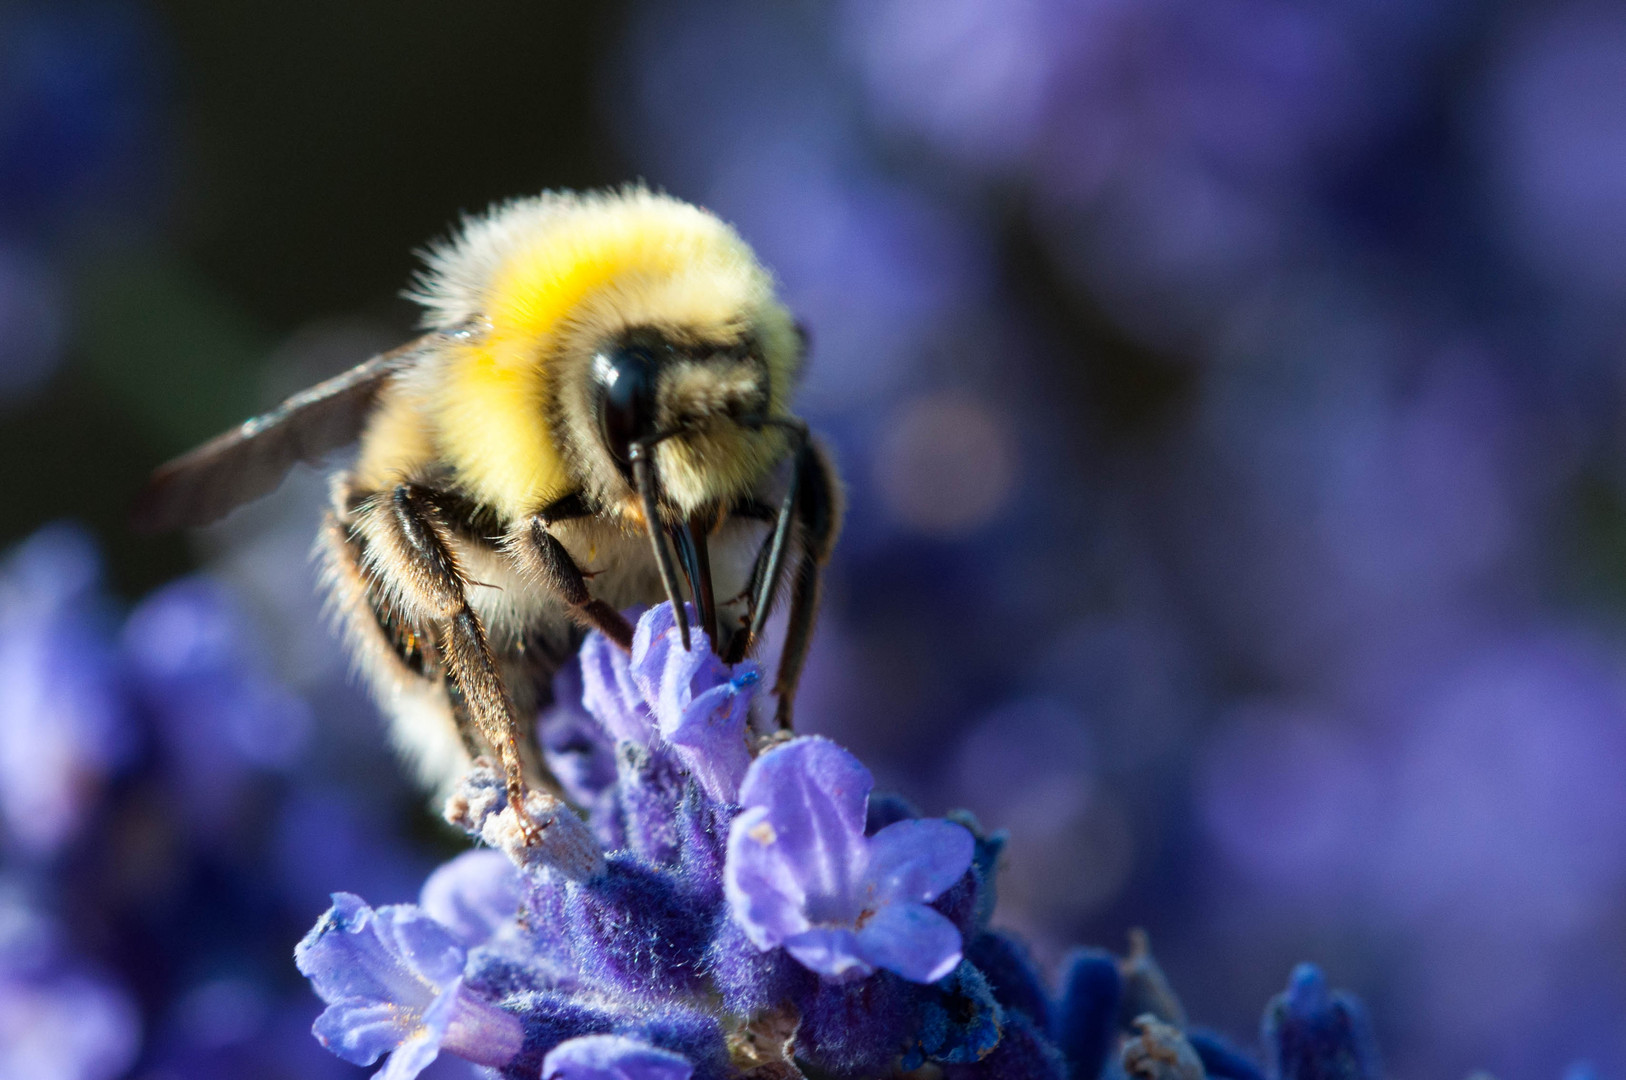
x=250 y=460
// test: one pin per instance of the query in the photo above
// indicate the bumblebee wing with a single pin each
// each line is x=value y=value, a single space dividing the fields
x=250 y=460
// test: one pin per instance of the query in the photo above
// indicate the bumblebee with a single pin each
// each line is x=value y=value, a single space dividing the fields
x=600 y=404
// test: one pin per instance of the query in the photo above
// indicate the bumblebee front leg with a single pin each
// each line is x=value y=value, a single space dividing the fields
x=545 y=560
x=409 y=554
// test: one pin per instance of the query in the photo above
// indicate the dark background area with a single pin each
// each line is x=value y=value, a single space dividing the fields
x=267 y=166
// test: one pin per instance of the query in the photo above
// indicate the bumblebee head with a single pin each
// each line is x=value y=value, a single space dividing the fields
x=646 y=386
x=606 y=321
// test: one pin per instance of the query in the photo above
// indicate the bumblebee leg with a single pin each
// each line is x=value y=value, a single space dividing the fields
x=459 y=705
x=410 y=554
x=397 y=653
x=818 y=519
x=545 y=560
x=770 y=566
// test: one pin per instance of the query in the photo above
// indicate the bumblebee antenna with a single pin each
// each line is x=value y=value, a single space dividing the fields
x=643 y=478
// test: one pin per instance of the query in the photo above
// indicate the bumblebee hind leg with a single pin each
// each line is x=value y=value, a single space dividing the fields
x=406 y=537
x=399 y=660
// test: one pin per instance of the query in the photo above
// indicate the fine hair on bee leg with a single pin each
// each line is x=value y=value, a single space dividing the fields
x=545 y=560
x=397 y=652
x=411 y=557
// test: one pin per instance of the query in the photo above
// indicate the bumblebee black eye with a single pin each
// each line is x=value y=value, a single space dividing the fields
x=626 y=399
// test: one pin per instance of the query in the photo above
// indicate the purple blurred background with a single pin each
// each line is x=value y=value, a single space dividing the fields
x=1229 y=396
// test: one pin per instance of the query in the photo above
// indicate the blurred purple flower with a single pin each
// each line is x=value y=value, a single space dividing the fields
x=1508 y=809
x=802 y=874
x=78 y=90
x=1312 y=1033
x=1554 y=124
x=613 y=1057
x=216 y=706
x=393 y=983
x=579 y=749
x=877 y=268
x=1293 y=798
x=64 y=724
x=66 y=1026
x=971 y=76
x=58 y=1021
x=323 y=839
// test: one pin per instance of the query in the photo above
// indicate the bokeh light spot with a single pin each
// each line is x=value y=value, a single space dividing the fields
x=947 y=463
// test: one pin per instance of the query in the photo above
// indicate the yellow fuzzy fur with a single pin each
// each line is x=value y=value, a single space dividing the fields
x=576 y=271
x=398 y=442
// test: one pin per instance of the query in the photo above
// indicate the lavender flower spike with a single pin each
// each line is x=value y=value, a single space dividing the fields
x=1314 y=1033
x=393 y=981
x=801 y=873
x=613 y=1057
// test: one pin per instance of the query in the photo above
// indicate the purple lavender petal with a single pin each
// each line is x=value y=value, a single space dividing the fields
x=911 y=939
x=667 y=673
x=832 y=951
x=801 y=873
x=610 y=693
x=613 y=1057
x=656 y=644
x=396 y=954
x=709 y=734
x=458 y=1025
x=474 y=895
x=918 y=860
x=343 y=957
x=393 y=982
x=419 y=1052
x=814 y=793
x=427 y=950
x=361 y=1031
x=764 y=890
x=473 y=1029
x=700 y=707
x=579 y=750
